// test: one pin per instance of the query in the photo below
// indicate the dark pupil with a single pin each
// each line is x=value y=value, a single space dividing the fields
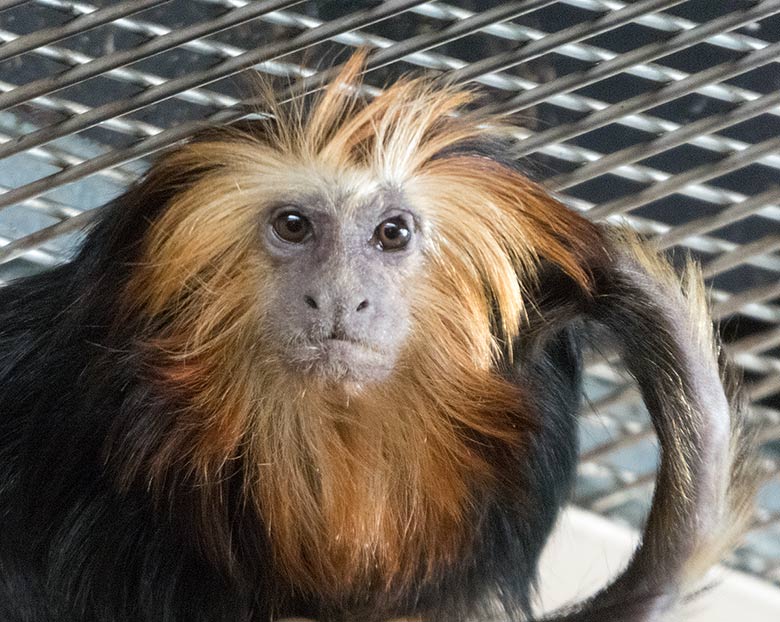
x=392 y=231
x=293 y=224
x=291 y=227
x=393 y=234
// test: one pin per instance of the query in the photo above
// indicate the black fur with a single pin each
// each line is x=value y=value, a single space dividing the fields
x=74 y=547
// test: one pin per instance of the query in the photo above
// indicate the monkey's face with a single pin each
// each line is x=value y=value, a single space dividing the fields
x=341 y=271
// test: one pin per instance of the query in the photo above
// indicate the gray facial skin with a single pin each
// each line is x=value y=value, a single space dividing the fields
x=342 y=282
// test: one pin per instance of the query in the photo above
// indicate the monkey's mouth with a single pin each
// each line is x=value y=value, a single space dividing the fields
x=340 y=358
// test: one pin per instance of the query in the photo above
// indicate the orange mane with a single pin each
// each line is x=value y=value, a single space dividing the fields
x=378 y=486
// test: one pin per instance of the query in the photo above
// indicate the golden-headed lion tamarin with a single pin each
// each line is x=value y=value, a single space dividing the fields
x=328 y=366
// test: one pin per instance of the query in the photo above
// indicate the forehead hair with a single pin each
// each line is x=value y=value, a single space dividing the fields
x=490 y=227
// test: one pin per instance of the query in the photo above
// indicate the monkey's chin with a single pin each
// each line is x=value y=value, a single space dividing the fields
x=350 y=363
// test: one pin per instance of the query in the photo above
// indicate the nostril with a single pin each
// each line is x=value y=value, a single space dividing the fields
x=311 y=302
x=362 y=305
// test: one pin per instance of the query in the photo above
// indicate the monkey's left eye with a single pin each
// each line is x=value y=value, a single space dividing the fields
x=392 y=234
x=292 y=227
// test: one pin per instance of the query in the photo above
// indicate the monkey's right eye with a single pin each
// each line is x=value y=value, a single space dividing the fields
x=292 y=227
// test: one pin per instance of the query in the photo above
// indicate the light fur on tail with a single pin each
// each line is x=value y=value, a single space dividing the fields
x=705 y=485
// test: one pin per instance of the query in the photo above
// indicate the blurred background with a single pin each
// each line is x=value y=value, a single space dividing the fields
x=664 y=114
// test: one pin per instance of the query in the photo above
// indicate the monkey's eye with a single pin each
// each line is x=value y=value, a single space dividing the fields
x=392 y=234
x=292 y=227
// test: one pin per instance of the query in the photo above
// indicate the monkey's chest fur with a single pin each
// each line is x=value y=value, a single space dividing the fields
x=393 y=504
x=377 y=493
x=398 y=503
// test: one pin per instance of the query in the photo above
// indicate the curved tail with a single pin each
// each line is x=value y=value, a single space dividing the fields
x=705 y=484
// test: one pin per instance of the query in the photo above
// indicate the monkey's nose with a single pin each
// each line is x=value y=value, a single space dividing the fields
x=312 y=303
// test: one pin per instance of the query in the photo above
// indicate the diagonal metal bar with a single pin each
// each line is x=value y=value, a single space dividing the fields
x=671 y=23
x=734 y=304
x=700 y=173
x=593 y=54
x=154 y=46
x=643 y=122
x=596 y=55
x=739 y=256
x=40 y=256
x=680 y=136
x=662 y=22
x=457 y=30
x=75 y=26
x=127 y=75
x=758 y=342
x=7 y=4
x=130 y=127
x=764 y=388
x=21 y=247
x=48 y=207
x=604 y=23
x=704 y=244
x=758 y=303
x=226 y=68
x=62 y=158
x=717 y=73
x=751 y=206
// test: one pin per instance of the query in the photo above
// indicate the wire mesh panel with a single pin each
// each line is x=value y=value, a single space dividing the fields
x=661 y=113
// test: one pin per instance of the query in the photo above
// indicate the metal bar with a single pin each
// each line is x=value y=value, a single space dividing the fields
x=504 y=81
x=642 y=174
x=75 y=26
x=626 y=440
x=763 y=388
x=101 y=162
x=702 y=243
x=671 y=23
x=757 y=342
x=172 y=135
x=73 y=58
x=226 y=68
x=701 y=173
x=664 y=142
x=749 y=308
x=657 y=21
x=49 y=207
x=40 y=256
x=593 y=54
x=151 y=29
x=18 y=248
x=641 y=122
x=400 y=50
x=762 y=312
x=717 y=73
x=167 y=137
x=727 y=261
x=735 y=303
x=628 y=489
x=62 y=158
x=7 y=4
x=633 y=432
x=145 y=50
x=68 y=108
x=457 y=30
x=534 y=49
x=750 y=206
x=757 y=364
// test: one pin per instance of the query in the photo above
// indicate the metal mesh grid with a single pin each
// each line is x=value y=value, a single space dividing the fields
x=662 y=113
